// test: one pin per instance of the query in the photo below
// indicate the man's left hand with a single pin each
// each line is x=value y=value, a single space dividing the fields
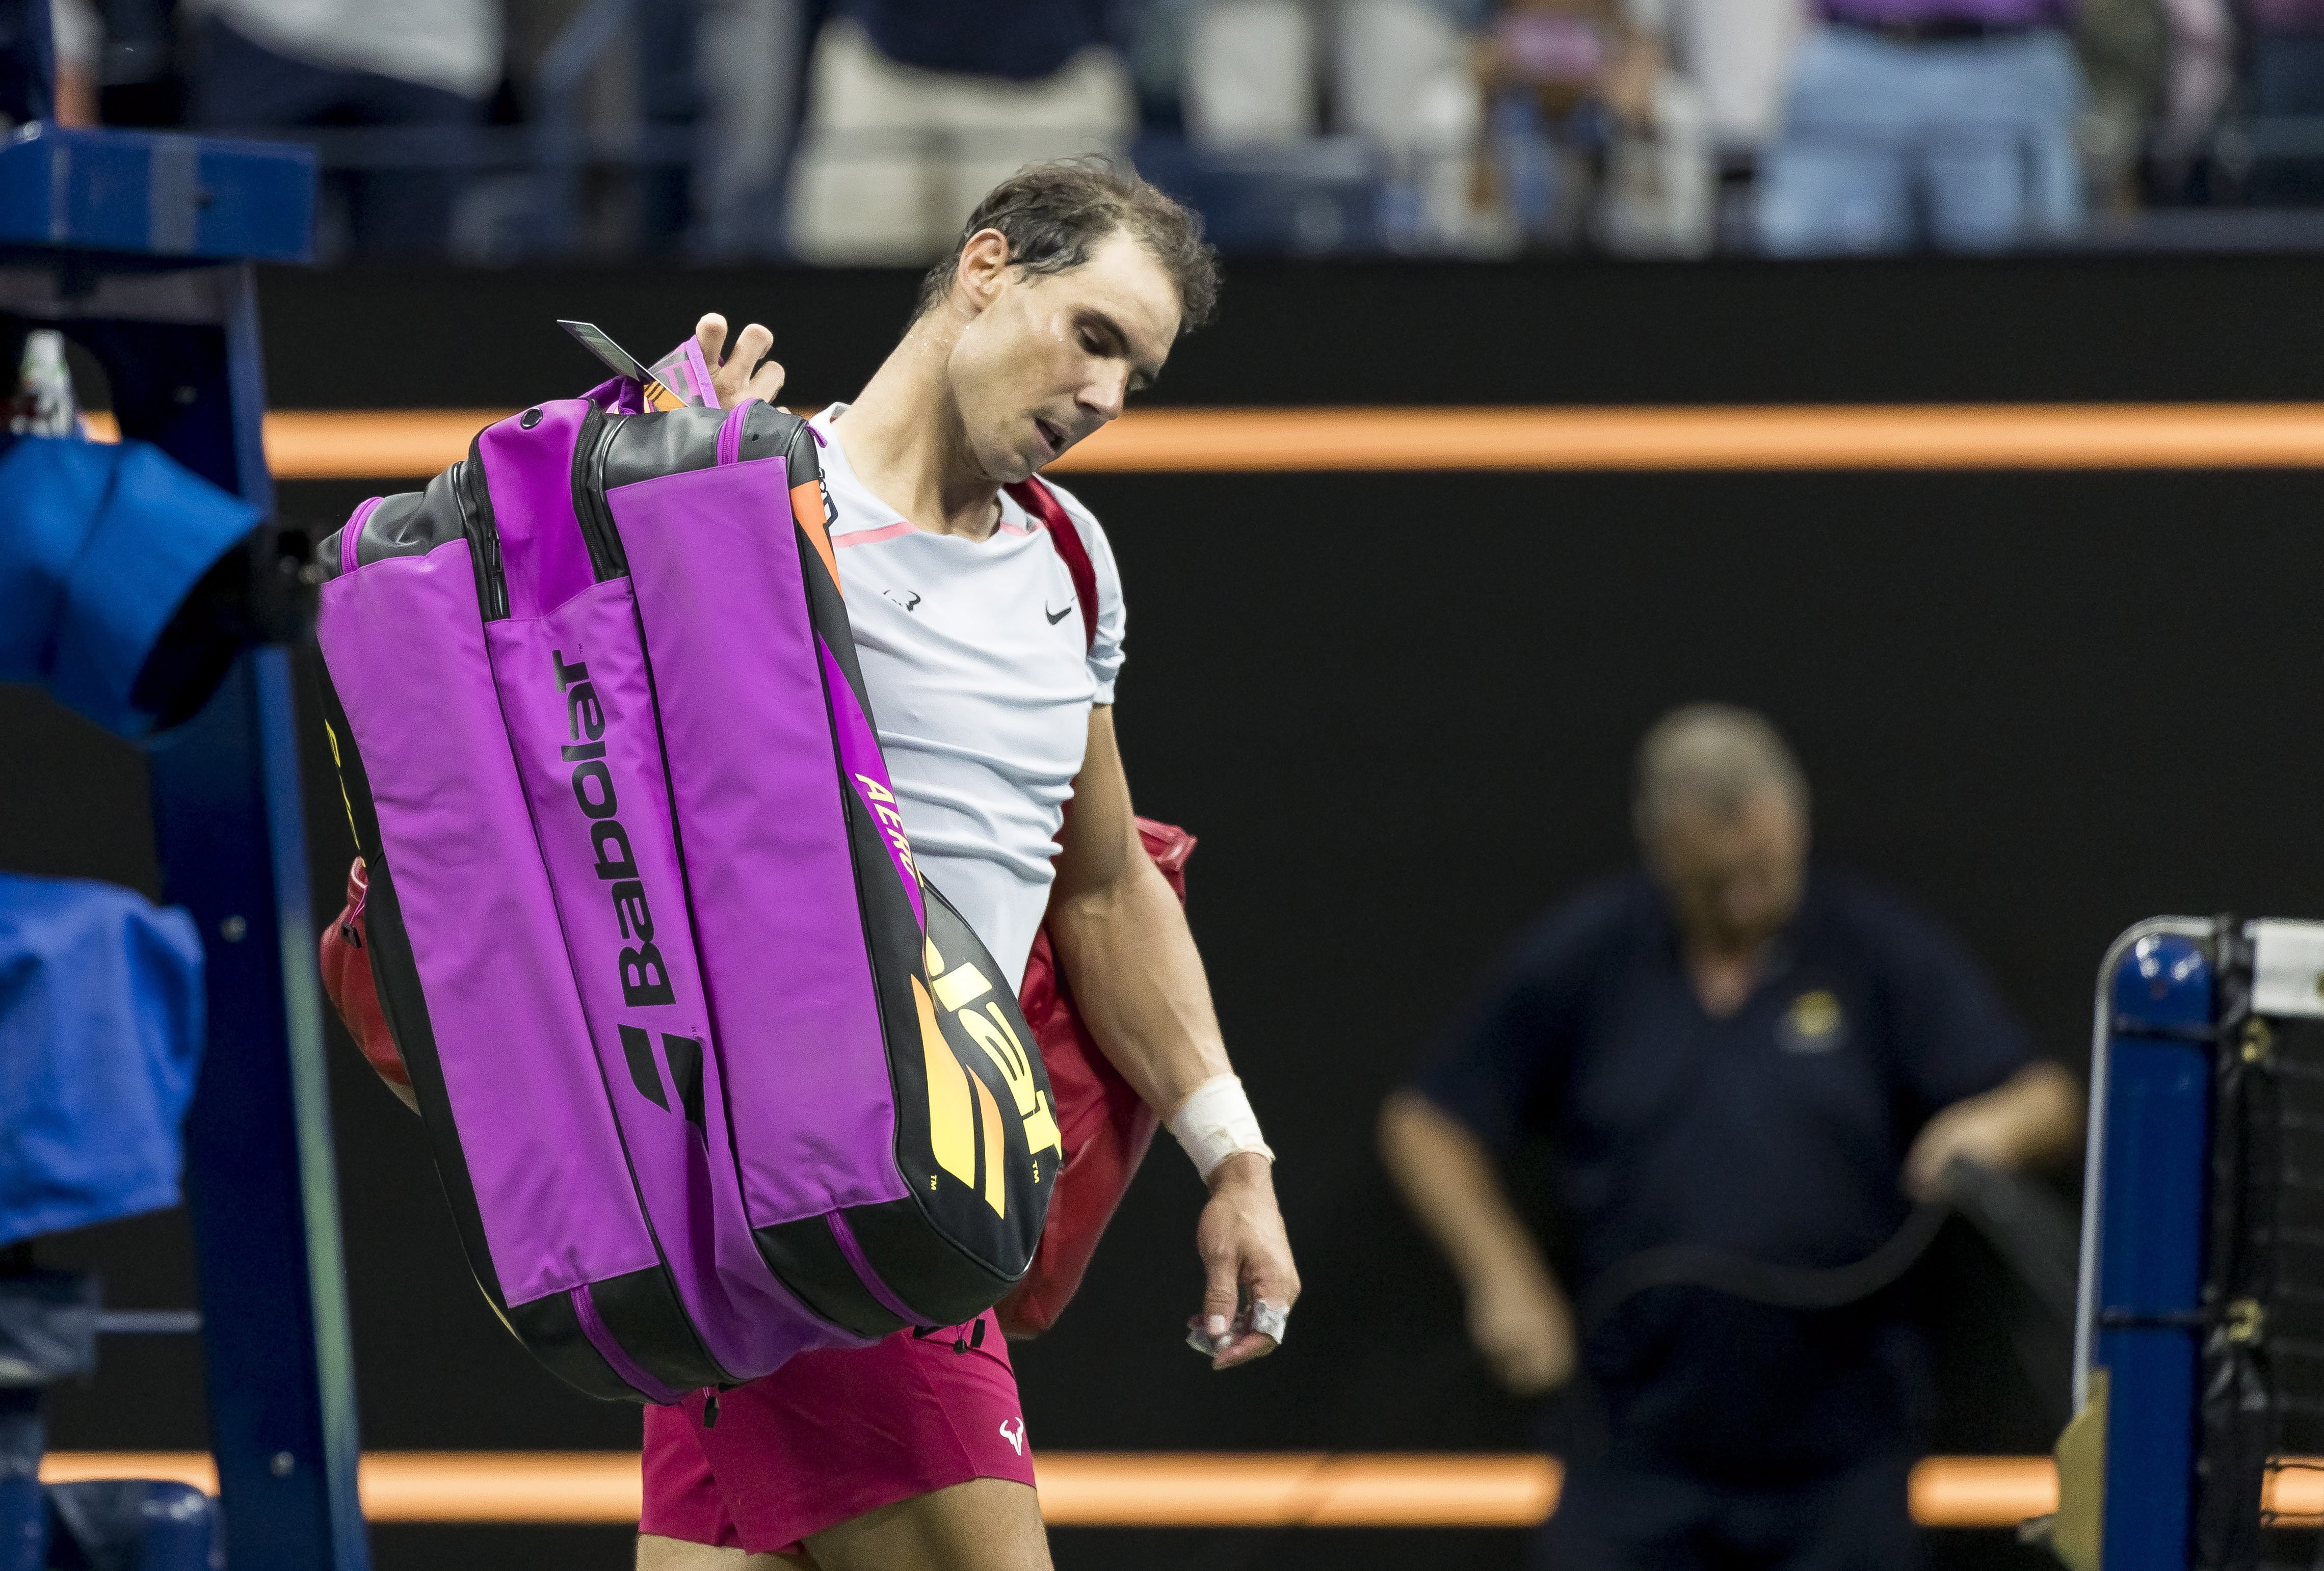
x=2033 y=1116
x=747 y=373
x=1244 y=1248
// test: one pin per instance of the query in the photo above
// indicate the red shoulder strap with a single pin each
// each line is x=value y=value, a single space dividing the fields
x=1034 y=495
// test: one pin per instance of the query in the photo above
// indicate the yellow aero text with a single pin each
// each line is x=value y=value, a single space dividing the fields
x=952 y=1122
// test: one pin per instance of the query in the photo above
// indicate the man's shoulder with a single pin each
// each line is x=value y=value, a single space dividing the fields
x=1615 y=910
x=1884 y=925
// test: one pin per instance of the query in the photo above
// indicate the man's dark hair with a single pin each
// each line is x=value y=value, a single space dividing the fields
x=1053 y=213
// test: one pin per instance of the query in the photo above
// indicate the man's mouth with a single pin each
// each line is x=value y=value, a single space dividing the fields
x=1051 y=436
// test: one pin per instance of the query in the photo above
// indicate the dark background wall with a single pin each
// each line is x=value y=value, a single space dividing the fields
x=1398 y=709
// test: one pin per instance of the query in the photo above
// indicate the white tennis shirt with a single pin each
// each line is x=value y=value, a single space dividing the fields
x=973 y=653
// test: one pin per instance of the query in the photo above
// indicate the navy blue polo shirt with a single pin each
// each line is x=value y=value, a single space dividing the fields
x=1778 y=1132
x=1020 y=41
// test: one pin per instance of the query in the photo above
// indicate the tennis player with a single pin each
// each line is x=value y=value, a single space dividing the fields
x=1069 y=287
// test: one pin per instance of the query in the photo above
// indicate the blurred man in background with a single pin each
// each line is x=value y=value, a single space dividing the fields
x=916 y=109
x=279 y=65
x=1945 y=123
x=1633 y=165
x=1729 y=1050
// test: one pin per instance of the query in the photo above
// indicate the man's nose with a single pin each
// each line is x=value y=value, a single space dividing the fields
x=1105 y=394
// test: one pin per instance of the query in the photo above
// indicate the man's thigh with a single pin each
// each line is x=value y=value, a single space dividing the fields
x=1838 y=179
x=2003 y=170
x=656 y=1553
x=986 y=1524
x=1819 y=196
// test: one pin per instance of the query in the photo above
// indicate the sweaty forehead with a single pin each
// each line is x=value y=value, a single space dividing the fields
x=1123 y=280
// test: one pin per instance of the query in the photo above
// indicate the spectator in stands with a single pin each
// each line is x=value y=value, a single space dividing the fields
x=80 y=37
x=916 y=109
x=751 y=59
x=1737 y=53
x=2284 y=51
x=1596 y=82
x=1261 y=73
x=1726 y=1050
x=282 y=64
x=1927 y=122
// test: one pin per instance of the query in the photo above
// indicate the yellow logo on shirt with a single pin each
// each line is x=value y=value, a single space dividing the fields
x=1814 y=1023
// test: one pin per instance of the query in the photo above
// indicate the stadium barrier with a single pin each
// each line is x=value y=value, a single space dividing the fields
x=1093 y=1489
x=406 y=444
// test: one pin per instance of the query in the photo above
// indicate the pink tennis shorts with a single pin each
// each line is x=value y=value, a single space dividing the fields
x=832 y=1435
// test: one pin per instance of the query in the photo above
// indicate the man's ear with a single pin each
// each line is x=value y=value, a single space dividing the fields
x=984 y=262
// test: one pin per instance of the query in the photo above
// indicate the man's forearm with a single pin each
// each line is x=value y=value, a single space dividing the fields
x=1449 y=1182
x=2040 y=1109
x=1139 y=984
x=2028 y=1121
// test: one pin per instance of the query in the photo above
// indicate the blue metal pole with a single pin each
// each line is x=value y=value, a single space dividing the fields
x=262 y=1186
x=2150 y=1166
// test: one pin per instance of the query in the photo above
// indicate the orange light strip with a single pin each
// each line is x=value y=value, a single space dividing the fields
x=1121 y=1489
x=406 y=444
x=1807 y=437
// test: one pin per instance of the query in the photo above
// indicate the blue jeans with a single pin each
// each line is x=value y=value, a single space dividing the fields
x=1967 y=145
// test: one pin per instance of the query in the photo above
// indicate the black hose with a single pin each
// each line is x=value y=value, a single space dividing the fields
x=2026 y=1226
x=1782 y=1286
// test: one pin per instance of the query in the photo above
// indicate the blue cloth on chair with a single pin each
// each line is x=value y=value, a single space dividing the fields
x=100 y=1036
x=99 y=545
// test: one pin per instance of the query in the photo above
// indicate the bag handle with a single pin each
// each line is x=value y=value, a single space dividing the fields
x=1034 y=495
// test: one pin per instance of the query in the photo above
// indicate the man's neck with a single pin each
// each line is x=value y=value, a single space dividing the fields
x=905 y=442
x=1725 y=976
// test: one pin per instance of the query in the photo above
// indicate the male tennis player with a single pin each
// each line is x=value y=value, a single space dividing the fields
x=1065 y=293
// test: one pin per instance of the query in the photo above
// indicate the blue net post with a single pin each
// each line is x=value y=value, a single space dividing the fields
x=2140 y=1328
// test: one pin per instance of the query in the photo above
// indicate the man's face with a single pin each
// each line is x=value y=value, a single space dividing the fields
x=1053 y=355
x=1734 y=879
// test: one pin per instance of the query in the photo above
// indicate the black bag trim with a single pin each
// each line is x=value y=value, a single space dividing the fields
x=809 y=1261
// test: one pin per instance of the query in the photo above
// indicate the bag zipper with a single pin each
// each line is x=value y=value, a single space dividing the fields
x=607 y=557
x=484 y=534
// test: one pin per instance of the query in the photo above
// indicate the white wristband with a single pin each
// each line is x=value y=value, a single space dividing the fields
x=1215 y=1122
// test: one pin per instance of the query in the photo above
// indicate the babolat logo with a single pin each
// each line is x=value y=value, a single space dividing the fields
x=645 y=979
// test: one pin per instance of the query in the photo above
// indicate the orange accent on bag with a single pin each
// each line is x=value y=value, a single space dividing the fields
x=806 y=507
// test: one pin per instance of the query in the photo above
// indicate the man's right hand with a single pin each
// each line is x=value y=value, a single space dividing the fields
x=739 y=376
x=1524 y=1328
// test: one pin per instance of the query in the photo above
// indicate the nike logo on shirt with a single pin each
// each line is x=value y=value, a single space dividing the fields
x=1055 y=616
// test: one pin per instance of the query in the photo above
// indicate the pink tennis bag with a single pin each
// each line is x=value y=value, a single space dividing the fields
x=710 y=1076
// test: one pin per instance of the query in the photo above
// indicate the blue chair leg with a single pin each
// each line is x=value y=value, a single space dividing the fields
x=131 y=1524
x=23 y=1532
x=181 y=1529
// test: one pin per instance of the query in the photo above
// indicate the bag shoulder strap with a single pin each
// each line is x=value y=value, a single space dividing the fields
x=1034 y=495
